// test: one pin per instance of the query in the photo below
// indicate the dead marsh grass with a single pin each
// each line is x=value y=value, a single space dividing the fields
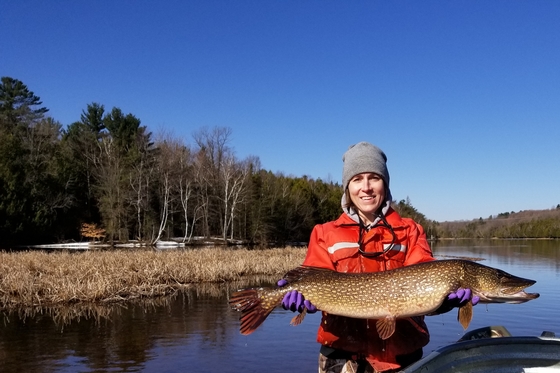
x=40 y=280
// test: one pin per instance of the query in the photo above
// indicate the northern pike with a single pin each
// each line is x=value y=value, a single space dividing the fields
x=414 y=290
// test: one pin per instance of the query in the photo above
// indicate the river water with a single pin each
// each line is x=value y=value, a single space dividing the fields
x=195 y=331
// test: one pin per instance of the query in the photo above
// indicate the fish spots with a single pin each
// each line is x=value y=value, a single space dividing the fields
x=404 y=292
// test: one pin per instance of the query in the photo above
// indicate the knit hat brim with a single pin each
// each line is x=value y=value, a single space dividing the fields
x=364 y=157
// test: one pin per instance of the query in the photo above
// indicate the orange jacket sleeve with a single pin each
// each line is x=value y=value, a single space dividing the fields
x=419 y=250
x=317 y=252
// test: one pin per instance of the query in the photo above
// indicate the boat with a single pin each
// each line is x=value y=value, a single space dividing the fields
x=493 y=349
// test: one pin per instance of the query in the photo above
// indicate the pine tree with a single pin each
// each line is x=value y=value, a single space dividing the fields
x=17 y=104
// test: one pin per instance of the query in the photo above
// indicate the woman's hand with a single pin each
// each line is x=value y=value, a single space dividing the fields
x=462 y=296
x=295 y=301
x=457 y=299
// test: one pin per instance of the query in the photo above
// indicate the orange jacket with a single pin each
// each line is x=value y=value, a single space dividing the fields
x=334 y=245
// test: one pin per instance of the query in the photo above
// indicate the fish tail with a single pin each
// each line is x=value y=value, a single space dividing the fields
x=254 y=308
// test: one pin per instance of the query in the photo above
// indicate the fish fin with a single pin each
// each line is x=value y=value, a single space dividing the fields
x=465 y=315
x=386 y=327
x=299 y=272
x=297 y=319
x=253 y=313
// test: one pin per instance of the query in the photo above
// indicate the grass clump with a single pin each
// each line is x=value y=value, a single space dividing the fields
x=41 y=279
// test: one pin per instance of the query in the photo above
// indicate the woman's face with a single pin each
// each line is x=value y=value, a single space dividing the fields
x=367 y=193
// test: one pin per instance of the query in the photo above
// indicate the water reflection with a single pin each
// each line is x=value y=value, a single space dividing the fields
x=194 y=330
x=119 y=337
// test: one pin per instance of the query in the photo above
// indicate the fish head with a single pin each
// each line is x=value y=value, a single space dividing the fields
x=497 y=286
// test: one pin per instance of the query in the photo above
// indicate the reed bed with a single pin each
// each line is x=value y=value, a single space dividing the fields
x=35 y=279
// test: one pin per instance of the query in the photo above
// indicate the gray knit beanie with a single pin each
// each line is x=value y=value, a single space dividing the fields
x=364 y=157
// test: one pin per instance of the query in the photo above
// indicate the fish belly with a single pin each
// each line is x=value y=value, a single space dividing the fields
x=393 y=301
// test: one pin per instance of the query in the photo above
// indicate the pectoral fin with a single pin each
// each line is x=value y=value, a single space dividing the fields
x=296 y=320
x=385 y=327
x=465 y=315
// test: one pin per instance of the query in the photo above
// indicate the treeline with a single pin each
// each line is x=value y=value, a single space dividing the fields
x=522 y=224
x=107 y=176
x=108 y=171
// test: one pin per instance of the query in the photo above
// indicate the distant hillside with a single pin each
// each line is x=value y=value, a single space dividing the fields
x=522 y=224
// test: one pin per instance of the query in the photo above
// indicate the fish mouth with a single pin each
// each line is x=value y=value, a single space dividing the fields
x=507 y=297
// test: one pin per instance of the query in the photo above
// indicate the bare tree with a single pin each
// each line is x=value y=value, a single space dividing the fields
x=168 y=174
x=188 y=175
x=212 y=151
x=233 y=177
x=140 y=182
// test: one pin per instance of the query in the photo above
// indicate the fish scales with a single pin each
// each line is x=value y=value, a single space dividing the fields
x=364 y=296
x=414 y=290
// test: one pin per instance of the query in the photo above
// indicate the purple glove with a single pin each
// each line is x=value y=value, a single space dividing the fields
x=295 y=301
x=462 y=296
x=456 y=299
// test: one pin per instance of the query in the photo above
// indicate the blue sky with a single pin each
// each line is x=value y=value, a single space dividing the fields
x=463 y=96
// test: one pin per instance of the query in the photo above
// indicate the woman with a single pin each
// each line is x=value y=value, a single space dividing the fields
x=369 y=236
